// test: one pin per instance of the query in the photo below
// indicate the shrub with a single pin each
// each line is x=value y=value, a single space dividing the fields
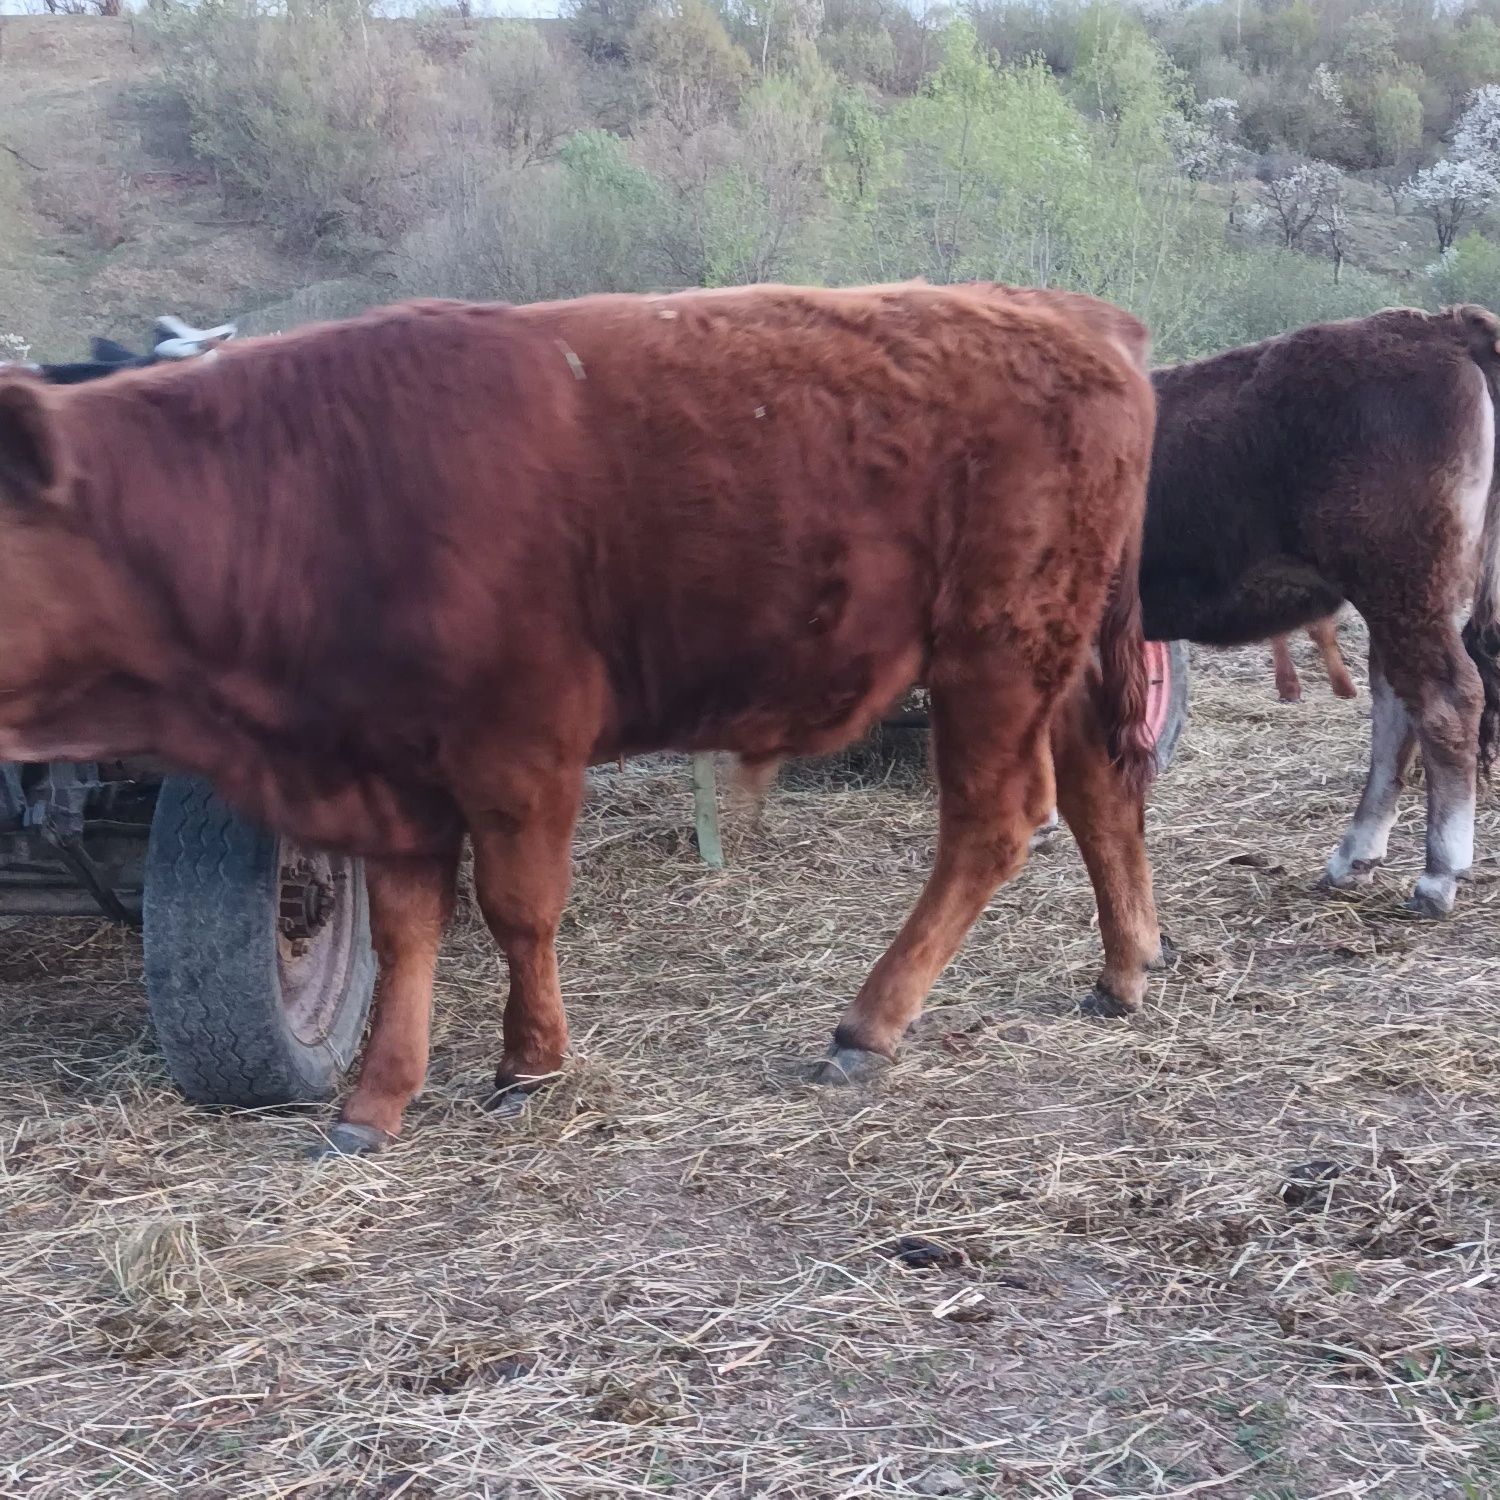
x=303 y=112
x=1468 y=272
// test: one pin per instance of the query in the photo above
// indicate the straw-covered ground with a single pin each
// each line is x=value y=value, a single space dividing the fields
x=1242 y=1246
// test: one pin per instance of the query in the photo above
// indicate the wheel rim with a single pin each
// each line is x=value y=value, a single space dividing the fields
x=1159 y=691
x=316 y=922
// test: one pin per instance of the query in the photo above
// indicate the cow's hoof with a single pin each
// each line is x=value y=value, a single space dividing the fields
x=510 y=1093
x=1432 y=899
x=850 y=1065
x=1101 y=1004
x=1168 y=958
x=1342 y=877
x=348 y=1139
x=507 y=1103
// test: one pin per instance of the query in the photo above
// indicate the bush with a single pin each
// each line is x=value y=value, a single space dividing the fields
x=1469 y=272
x=302 y=112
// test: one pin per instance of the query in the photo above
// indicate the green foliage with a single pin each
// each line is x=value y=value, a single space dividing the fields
x=654 y=143
x=858 y=157
x=1469 y=272
x=761 y=202
x=694 y=71
x=1396 y=124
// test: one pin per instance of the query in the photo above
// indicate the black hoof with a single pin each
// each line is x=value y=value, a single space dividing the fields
x=1170 y=956
x=1100 y=1003
x=511 y=1091
x=346 y=1139
x=507 y=1103
x=850 y=1065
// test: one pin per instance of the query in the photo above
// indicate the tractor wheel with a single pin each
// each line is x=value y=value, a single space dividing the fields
x=259 y=969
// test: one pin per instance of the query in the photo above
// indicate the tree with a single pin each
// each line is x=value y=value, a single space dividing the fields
x=1333 y=223
x=1453 y=192
x=1464 y=183
x=1367 y=45
x=601 y=29
x=528 y=97
x=694 y=71
x=859 y=147
x=1477 y=136
x=1299 y=196
x=759 y=205
x=1396 y=124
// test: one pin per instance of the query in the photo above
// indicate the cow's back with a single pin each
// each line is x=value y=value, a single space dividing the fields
x=782 y=479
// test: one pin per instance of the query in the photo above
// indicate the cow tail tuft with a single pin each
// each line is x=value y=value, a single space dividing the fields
x=1126 y=675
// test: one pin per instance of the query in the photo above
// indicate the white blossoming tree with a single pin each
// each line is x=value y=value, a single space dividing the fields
x=1463 y=184
x=1298 y=197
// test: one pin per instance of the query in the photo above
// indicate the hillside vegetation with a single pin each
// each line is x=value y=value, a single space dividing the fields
x=1225 y=169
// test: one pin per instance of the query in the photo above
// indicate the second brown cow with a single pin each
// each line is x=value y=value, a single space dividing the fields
x=402 y=579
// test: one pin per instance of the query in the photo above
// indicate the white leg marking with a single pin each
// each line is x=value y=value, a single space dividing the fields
x=1046 y=831
x=1450 y=852
x=1392 y=740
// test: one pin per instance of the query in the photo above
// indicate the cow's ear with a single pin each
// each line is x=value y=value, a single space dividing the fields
x=32 y=464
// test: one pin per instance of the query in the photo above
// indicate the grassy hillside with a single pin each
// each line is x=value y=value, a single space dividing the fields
x=105 y=218
x=338 y=163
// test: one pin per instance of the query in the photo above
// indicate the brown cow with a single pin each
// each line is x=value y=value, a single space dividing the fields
x=1324 y=635
x=394 y=580
x=1348 y=461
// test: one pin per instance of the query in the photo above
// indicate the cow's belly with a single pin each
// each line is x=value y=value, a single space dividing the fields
x=771 y=688
x=1271 y=595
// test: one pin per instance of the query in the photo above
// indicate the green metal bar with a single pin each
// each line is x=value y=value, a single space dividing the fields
x=706 y=812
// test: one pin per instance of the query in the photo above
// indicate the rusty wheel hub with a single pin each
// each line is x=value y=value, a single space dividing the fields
x=305 y=904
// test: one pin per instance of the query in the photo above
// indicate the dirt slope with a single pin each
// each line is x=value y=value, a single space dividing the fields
x=105 y=221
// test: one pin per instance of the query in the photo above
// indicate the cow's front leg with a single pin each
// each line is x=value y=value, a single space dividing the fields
x=522 y=847
x=1108 y=820
x=1393 y=743
x=411 y=901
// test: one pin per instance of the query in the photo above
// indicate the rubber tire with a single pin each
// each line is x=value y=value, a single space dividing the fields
x=210 y=915
x=1177 y=705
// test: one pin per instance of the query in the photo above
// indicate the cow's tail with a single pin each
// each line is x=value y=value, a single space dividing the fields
x=1480 y=330
x=1126 y=675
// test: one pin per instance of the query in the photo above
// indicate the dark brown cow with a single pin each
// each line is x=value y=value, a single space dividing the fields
x=1348 y=461
x=399 y=579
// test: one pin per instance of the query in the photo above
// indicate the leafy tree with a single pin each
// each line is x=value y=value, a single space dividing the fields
x=695 y=73
x=1396 y=123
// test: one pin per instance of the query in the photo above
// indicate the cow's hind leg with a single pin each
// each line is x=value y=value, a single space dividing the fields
x=1108 y=821
x=1288 y=684
x=995 y=787
x=411 y=901
x=521 y=877
x=1428 y=691
x=1393 y=742
x=1325 y=635
x=1445 y=701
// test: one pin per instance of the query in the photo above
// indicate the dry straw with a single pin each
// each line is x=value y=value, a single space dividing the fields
x=1243 y=1246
